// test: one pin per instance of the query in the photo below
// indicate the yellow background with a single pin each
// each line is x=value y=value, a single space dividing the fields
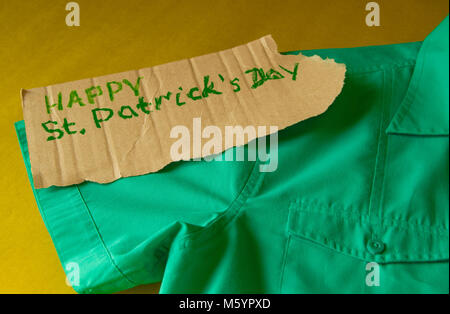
x=37 y=49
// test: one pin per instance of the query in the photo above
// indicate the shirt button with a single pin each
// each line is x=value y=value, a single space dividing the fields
x=375 y=247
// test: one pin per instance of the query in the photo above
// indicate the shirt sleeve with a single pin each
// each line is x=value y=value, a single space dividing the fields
x=111 y=237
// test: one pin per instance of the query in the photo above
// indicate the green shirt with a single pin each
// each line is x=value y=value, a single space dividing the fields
x=367 y=181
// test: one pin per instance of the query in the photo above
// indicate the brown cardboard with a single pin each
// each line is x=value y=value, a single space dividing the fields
x=129 y=145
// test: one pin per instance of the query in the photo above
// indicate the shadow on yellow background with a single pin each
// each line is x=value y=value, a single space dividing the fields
x=37 y=49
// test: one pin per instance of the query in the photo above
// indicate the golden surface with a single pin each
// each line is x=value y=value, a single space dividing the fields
x=37 y=49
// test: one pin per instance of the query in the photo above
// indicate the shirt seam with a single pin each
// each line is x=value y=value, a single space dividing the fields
x=108 y=252
x=306 y=207
x=385 y=140
x=230 y=213
x=376 y=170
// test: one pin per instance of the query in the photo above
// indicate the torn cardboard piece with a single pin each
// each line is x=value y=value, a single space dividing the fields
x=119 y=125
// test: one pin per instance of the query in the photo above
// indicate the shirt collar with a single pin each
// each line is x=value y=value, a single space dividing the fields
x=425 y=108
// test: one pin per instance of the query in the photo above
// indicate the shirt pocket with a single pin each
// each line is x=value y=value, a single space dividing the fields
x=330 y=247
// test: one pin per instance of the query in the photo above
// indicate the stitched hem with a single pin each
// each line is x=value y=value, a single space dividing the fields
x=74 y=233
